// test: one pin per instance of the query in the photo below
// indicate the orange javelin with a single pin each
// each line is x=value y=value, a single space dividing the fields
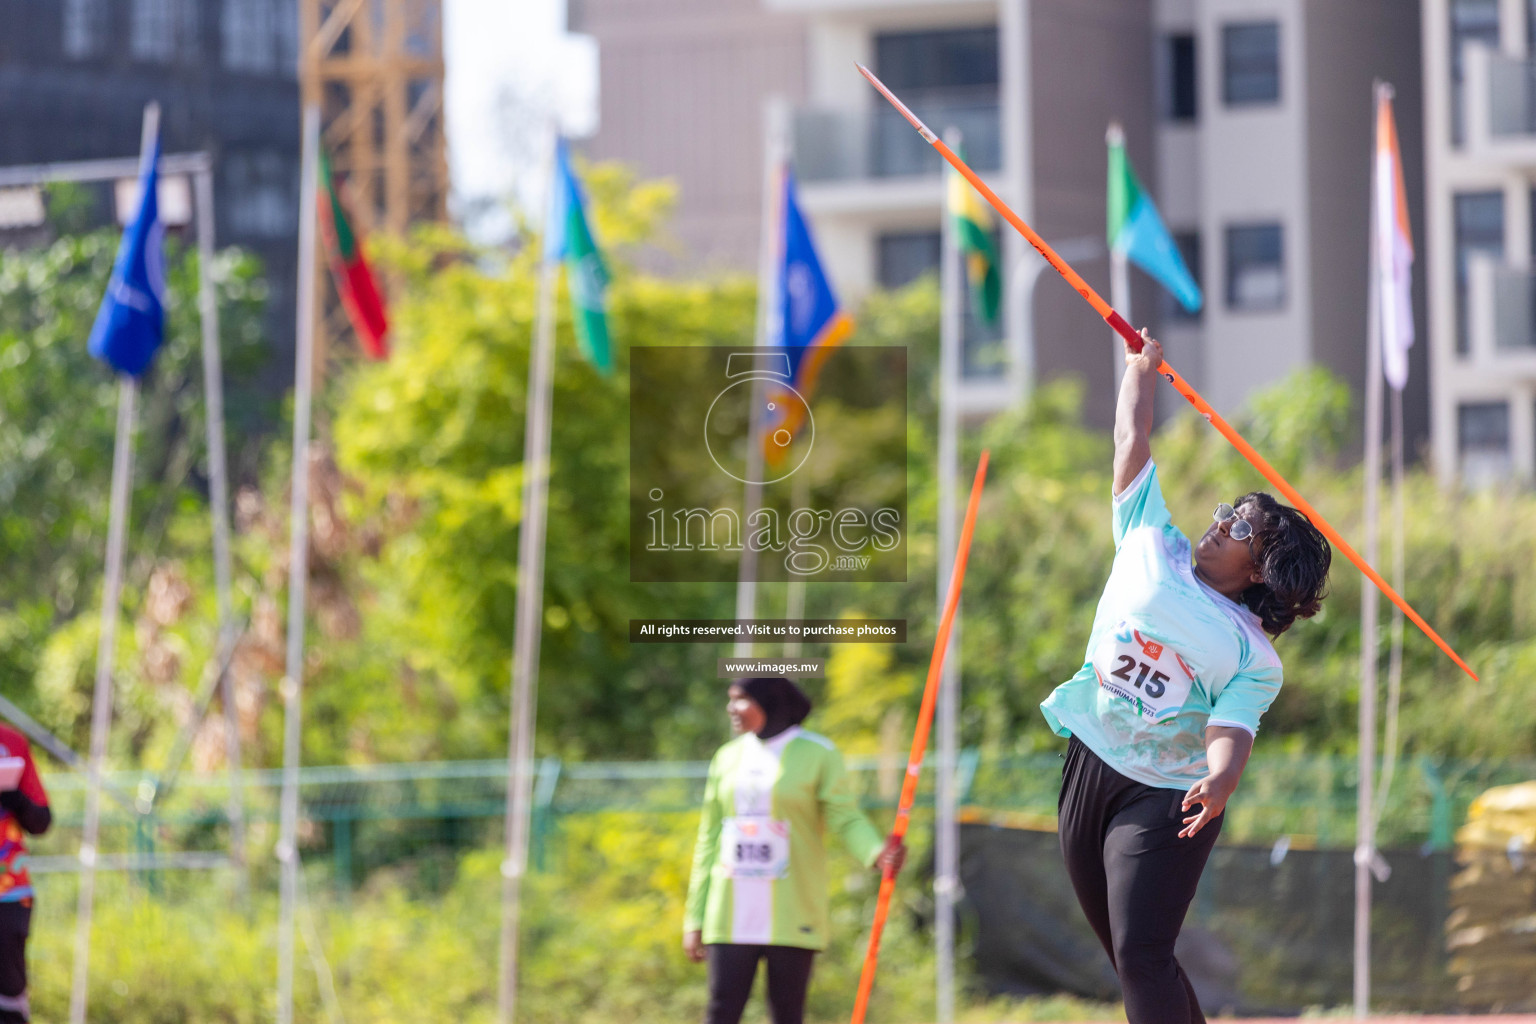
x=920 y=737
x=1180 y=385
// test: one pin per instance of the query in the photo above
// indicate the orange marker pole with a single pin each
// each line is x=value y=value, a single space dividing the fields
x=920 y=737
x=1180 y=385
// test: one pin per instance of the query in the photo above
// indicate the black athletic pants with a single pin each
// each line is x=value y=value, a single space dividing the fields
x=732 y=968
x=15 y=922
x=1135 y=879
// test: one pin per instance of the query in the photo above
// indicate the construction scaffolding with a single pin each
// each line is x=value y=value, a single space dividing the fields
x=375 y=70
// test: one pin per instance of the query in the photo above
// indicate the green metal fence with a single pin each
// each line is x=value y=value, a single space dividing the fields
x=367 y=817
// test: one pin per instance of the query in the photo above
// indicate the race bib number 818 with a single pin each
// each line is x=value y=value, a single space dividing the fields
x=755 y=846
x=1144 y=672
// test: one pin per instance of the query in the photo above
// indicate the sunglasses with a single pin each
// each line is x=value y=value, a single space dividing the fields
x=1240 y=530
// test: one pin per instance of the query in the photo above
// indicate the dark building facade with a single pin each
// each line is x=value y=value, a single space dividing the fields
x=75 y=76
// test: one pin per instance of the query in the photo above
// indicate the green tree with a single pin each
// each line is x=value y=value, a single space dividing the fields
x=57 y=421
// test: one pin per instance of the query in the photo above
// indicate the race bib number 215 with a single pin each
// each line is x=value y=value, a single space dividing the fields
x=1144 y=672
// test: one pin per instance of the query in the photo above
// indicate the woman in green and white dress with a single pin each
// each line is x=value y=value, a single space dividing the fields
x=759 y=883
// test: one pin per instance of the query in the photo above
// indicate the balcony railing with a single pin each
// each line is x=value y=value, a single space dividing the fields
x=1501 y=314
x=848 y=146
x=1511 y=97
x=1514 y=310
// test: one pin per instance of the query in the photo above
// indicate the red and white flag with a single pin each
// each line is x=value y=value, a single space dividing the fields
x=1394 y=247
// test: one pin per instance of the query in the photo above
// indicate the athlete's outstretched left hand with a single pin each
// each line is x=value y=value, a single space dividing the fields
x=1212 y=794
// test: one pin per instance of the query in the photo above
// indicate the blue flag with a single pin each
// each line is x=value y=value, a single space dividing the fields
x=808 y=323
x=131 y=322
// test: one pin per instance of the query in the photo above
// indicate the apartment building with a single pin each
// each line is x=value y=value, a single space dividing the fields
x=1480 y=156
x=1263 y=147
x=1248 y=120
x=75 y=76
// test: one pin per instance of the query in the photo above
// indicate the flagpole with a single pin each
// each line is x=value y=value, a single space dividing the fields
x=1119 y=277
x=776 y=148
x=794 y=597
x=298 y=561
x=946 y=875
x=1016 y=101
x=218 y=499
x=530 y=608
x=1365 y=845
x=101 y=702
x=1399 y=570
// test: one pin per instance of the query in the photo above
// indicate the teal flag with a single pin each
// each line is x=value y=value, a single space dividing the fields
x=569 y=237
x=1136 y=230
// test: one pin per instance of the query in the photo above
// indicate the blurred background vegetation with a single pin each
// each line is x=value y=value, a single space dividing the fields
x=415 y=514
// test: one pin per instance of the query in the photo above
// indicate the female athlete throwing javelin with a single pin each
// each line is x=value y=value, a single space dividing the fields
x=1163 y=712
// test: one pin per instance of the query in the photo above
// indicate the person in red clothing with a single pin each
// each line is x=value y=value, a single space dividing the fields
x=23 y=810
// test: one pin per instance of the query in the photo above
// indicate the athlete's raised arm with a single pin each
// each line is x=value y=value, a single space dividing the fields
x=1133 y=412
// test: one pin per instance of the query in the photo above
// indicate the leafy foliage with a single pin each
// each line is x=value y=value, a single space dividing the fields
x=57 y=422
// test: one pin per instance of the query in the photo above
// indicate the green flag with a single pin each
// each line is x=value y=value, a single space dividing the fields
x=570 y=237
x=1135 y=228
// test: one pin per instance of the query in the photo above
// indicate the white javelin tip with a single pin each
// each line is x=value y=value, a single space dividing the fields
x=900 y=106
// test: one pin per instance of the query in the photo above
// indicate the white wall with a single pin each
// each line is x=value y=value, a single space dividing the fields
x=1253 y=160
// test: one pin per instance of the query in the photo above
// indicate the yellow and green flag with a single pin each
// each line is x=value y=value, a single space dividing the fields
x=973 y=225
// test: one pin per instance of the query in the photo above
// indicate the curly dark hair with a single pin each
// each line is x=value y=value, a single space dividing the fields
x=1294 y=557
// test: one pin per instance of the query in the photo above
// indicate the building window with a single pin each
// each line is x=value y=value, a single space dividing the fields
x=1178 y=78
x=286 y=28
x=1250 y=71
x=261 y=190
x=1255 y=267
x=1479 y=228
x=248 y=42
x=85 y=27
x=1471 y=21
x=1482 y=438
x=947 y=59
x=161 y=30
x=152 y=30
x=258 y=35
x=1189 y=248
x=950 y=79
x=907 y=256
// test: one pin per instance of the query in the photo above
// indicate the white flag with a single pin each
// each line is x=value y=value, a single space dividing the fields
x=1394 y=248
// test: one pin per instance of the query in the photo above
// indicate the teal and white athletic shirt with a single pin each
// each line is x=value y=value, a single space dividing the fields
x=1167 y=657
x=760 y=863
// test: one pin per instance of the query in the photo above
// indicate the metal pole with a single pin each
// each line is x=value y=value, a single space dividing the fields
x=218 y=499
x=946 y=879
x=101 y=704
x=530 y=614
x=1026 y=274
x=101 y=170
x=1119 y=279
x=1120 y=298
x=298 y=562
x=1016 y=101
x=775 y=159
x=1365 y=841
x=794 y=599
